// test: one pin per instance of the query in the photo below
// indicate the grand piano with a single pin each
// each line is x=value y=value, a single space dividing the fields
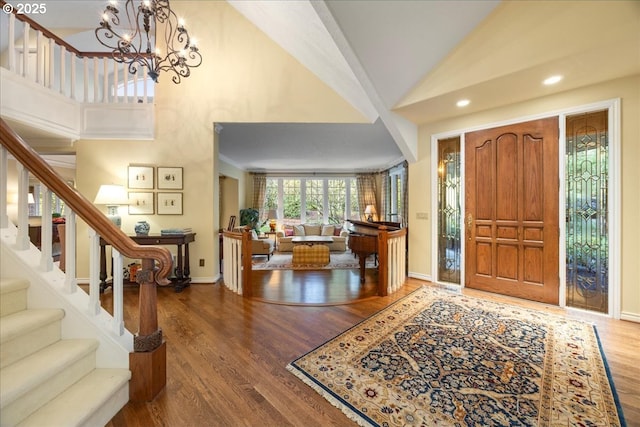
x=363 y=239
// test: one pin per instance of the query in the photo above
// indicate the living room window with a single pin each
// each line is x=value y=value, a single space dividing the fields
x=325 y=200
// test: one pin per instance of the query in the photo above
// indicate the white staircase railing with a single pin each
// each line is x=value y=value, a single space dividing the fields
x=46 y=261
x=89 y=77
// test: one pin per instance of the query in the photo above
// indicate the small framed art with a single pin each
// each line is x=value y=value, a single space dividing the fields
x=169 y=178
x=169 y=203
x=140 y=177
x=141 y=203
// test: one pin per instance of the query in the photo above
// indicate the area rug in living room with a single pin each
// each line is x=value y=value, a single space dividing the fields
x=438 y=358
x=283 y=261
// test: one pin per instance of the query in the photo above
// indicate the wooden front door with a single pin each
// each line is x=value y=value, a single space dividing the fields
x=511 y=210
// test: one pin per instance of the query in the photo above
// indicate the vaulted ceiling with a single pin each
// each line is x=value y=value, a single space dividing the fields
x=405 y=63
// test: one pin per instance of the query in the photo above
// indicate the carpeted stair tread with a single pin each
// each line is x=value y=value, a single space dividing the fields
x=75 y=405
x=22 y=376
x=25 y=321
x=12 y=284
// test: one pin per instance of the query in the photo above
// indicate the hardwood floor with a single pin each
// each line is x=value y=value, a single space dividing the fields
x=227 y=357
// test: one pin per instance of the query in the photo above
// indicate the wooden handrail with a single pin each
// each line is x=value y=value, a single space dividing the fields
x=81 y=206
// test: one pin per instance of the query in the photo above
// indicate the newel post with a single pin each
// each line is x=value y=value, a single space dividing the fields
x=148 y=362
x=383 y=260
x=247 y=292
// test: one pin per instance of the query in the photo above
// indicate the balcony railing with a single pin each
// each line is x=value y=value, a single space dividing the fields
x=43 y=58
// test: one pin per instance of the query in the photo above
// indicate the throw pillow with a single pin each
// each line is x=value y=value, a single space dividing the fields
x=312 y=229
x=288 y=232
x=337 y=230
x=298 y=230
x=327 y=230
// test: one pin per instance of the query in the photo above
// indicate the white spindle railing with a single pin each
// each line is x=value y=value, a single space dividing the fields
x=22 y=242
x=55 y=68
x=397 y=256
x=232 y=263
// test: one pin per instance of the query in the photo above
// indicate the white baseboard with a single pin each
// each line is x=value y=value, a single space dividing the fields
x=420 y=276
x=631 y=317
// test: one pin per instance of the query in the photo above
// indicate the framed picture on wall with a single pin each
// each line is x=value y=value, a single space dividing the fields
x=169 y=203
x=141 y=177
x=141 y=203
x=169 y=178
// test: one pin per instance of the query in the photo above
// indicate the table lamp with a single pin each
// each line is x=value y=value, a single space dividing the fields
x=369 y=211
x=112 y=196
x=272 y=215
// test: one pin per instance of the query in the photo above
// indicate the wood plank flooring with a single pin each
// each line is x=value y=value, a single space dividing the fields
x=227 y=356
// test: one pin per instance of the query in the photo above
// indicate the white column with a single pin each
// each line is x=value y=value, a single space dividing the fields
x=39 y=58
x=85 y=79
x=72 y=82
x=95 y=79
x=105 y=81
x=115 y=82
x=52 y=63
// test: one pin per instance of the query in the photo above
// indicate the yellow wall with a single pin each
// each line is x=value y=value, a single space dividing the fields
x=627 y=89
x=244 y=77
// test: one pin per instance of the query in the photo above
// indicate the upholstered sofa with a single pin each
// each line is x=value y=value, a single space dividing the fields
x=338 y=234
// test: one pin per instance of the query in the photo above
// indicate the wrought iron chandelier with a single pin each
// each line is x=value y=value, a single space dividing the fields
x=138 y=42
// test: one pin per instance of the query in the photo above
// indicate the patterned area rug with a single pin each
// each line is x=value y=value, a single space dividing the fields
x=282 y=261
x=435 y=358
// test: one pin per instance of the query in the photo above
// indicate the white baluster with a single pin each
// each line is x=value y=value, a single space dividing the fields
x=25 y=51
x=52 y=64
x=115 y=82
x=63 y=60
x=72 y=94
x=22 y=239
x=4 y=218
x=118 y=289
x=95 y=79
x=144 y=87
x=105 y=80
x=39 y=58
x=85 y=79
x=46 y=260
x=12 y=42
x=70 y=282
x=94 y=273
x=135 y=86
x=125 y=82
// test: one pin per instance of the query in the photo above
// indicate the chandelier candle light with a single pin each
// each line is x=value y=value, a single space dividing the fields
x=136 y=42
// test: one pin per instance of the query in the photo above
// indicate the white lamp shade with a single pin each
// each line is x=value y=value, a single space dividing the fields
x=370 y=209
x=272 y=214
x=111 y=195
x=30 y=199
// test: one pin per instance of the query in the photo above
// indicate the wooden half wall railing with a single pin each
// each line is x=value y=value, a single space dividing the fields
x=148 y=339
x=392 y=260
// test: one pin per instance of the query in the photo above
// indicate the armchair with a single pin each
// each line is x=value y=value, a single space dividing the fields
x=262 y=245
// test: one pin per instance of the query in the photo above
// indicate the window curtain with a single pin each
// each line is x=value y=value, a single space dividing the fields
x=385 y=195
x=366 y=184
x=259 y=191
x=404 y=209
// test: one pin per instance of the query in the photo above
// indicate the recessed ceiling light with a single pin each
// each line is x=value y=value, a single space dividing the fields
x=552 y=80
x=463 y=103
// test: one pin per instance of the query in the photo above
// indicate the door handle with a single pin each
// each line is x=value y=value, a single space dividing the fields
x=469 y=225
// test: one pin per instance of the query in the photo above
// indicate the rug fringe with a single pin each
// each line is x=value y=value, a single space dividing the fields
x=350 y=413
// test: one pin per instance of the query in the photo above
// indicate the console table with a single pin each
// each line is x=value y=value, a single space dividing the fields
x=182 y=271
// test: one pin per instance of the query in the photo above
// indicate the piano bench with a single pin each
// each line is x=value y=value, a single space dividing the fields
x=310 y=254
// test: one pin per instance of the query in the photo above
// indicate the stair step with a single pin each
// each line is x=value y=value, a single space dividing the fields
x=13 y=295
x=30 y=383
x=25 y=332
x=92 y=401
